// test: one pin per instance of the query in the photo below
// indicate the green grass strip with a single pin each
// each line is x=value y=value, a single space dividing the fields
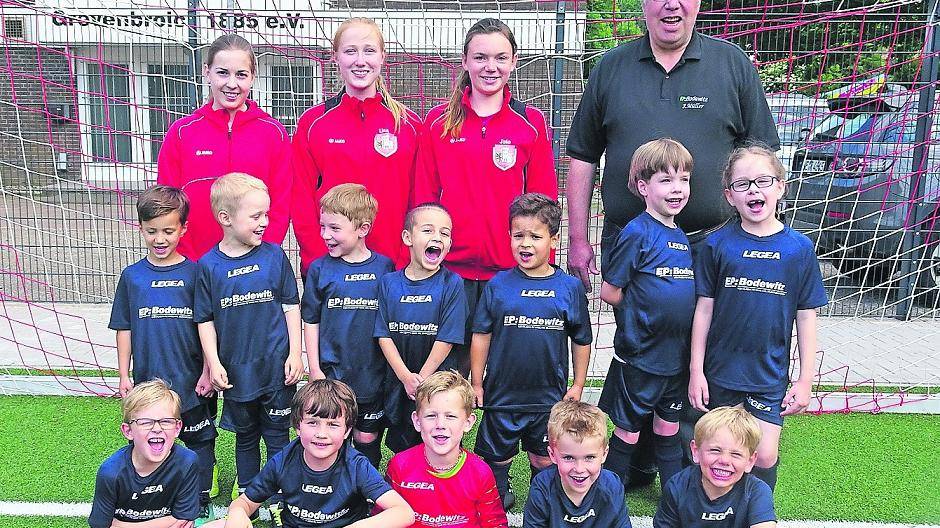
x=856 y=467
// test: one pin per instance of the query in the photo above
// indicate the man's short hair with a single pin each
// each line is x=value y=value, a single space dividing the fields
x=742 y=426
x=659 y=155
x=149 y=393
x=352 y=201
x=579 y=419
x=540 y=206
x=324 y=398
x=228 y=190
x=161 y=200
x=410 y=217
x=443 y=381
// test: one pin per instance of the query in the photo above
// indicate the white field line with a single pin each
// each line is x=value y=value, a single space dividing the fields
x=82 y=509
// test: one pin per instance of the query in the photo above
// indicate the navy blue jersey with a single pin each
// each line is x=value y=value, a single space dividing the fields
x=123 y=495
x=530 y=320
x=549 y=507
x=684 y=503
x=652 y=263
x=758 y=284
x=342 y=297
x=244 y=297
x=156 y=304
x=415 y=314
x=330 y=498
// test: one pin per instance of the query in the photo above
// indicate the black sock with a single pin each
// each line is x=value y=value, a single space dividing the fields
x=668 y=456
x=247 y=456
x=372 y=451
x=205 y=460
x=501 y=472
x=768 y=475
x=618 y=459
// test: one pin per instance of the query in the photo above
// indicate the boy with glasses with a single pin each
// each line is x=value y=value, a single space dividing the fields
x=151 y=479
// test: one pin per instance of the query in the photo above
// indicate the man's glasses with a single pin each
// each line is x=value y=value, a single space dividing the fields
x=167 y=424
x=762 y=182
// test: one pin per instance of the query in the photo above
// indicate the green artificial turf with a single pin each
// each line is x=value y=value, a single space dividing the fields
x=855 y=467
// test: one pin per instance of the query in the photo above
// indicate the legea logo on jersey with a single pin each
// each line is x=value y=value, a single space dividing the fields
x=279 y=412
x=418 y=485
x=537 y=293
x=148 y=490
x=414 y=299
x=770 y=255
x=717 y=516
x=246 y=298
x=373 y=416
x=534 y=323
x=320 y=490
x=244 y=270
x=756 y=285
x=679 y=246
x=412 y=328
x=316 y=517
x=675 y=272
x=578 y=519
x=203 y=153
x=693 y=102
x=350 y=303
x=165 y=312
x=167 y=284
x=355 y=277
x=198 y=427
x=676 y=406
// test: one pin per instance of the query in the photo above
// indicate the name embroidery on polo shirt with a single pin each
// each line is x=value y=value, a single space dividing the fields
x=717 y=516
x=693 y=102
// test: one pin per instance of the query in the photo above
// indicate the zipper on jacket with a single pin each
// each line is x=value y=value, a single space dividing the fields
x=230 y=145
x=483 y=131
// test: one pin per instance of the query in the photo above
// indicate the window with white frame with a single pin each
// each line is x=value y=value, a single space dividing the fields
x=109 y=112
x=168 y=92
x=293 y=89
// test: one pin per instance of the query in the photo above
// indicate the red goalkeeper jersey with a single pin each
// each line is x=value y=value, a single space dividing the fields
x=464 y=497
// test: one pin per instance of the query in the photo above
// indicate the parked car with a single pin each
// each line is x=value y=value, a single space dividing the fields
x=795 y=116
x=850 y=187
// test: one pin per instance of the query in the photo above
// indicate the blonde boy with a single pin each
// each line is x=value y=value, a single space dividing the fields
x=444 y=483
x=249 y=323
x=720 y=488
x=580 y=492
x=151 y=479
x=340 y=299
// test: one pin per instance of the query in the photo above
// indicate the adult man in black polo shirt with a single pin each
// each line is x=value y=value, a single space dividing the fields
x=673 y=82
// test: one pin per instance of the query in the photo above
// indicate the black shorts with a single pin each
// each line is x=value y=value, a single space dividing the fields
x=267 y=412
x=763 y=405
x=500 y=433
x=631 y=394
x=371 y=417
x=402 y=436
x=199 y=423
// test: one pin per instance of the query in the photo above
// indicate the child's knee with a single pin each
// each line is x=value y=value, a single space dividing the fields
x=364 y=438
x=664 y=428
x=627 y=436
x=766 y=455
x=539 y=461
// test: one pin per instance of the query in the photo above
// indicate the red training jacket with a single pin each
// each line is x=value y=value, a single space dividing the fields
x=345 y=140
x=465 y=498
x=199 y=148
x=477 y=175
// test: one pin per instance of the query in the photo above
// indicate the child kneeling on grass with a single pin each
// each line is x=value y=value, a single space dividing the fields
x=323 y=480
x=151 y=482
x=719 y=491
x=579 y=492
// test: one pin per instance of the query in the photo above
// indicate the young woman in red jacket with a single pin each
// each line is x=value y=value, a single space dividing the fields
x=482 y=149
x=228 y=134
x=362 y=135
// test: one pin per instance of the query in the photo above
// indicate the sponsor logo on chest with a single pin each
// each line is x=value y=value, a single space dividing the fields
x=756 y=285
x=356 y=277
x=162 y=312
x=534 y=323
x=675 y=272
x=203 y=152
x=537 y=293
x=350 y=303
x=246 y=298
x=316 y=517
x=504 y=155
x=244 y=270
x=678 y=246
x=578 y=519
x=415 y=299
x=167 y=284
x=336 y=141
x=320 y=490
x=412 y=328
x=770 y=255
x=717 y=516
x=418 y=485
x=148 y=490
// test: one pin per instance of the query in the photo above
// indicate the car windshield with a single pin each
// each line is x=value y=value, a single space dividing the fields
x=855 y=126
